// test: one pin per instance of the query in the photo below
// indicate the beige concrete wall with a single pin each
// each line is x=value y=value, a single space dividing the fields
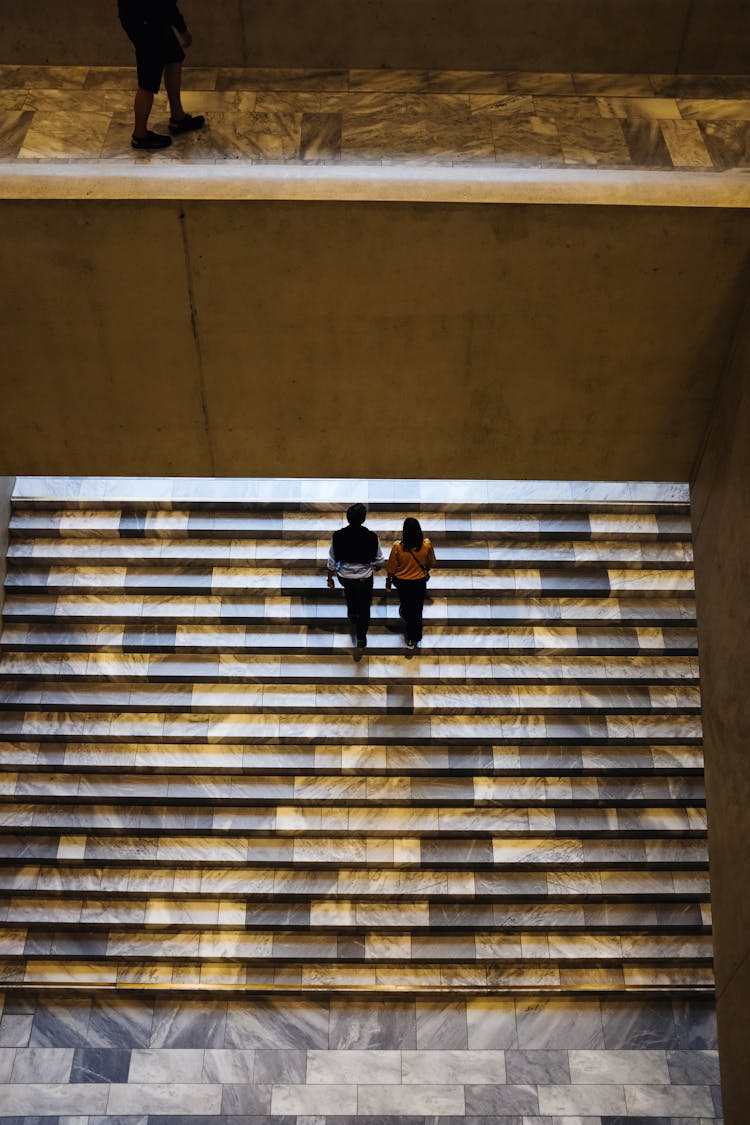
x=721 y=518
x=666 y=36
x=343 y=339
x=6 y=491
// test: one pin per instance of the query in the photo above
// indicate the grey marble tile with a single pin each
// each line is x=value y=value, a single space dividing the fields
x=265 y=1024
x=61 y=1023
x=695 y=1021
x=188 y=1024
x=559 y=1024
x=100 y=1064
x=373 y=1025
x=243 y=1099
x=646 y=1025
x=15 y=1029
x=491 y=1024
x=42 y=1064
x=530 y=1068
x=504 y=1100
x=693 y=1068
x=441 y=1025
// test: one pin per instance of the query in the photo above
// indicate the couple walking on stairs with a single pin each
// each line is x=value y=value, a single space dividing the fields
x=355 y=555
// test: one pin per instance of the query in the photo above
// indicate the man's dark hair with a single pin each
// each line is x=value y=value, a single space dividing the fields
x=356 y=513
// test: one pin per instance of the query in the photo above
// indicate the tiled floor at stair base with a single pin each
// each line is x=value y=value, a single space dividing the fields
x=202 y=790
x=699 y=122
x=314 y=1061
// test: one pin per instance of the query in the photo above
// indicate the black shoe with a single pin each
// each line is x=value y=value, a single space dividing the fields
x=187 y=124
x=151 y=141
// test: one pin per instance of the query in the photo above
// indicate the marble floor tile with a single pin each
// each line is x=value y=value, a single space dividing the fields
x=42 y=77
x=320 y=137
x=568 y=108
x=657 y=109
x=523 y=82
x=712 y=109
x=686 y=144
x=385 y=105
x=502 y=105
x=615 y=85
x=687 y=85
x=728 y=143
x=646 y=144
x=110 y=78
x=468 y=82
x=12 y=99
x=448 y=108
x=266 y=78
x=527 y=140
x=389 y=78
x=65 y=136
x=14 y=127
x=593 y=142
x=293 y=102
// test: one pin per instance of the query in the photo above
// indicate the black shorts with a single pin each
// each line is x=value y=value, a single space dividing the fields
x=156 y=45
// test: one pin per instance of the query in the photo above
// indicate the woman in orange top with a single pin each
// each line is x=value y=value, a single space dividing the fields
x=409 y=567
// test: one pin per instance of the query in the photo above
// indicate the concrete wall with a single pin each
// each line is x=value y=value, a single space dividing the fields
x=721 y=519
x=337 y=339
x=649 y=36
x=6 y=490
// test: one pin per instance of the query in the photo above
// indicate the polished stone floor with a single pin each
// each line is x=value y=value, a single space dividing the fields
x=618 y=121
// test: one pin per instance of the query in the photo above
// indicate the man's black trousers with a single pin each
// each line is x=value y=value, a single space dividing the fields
x=358 y=597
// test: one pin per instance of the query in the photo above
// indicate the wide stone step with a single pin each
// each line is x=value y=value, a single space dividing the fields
x=224 y=863
x=289 y=553
x=514 y=977
x=103 y=942
x=319 y=913
x=317 y=494
x=669 y=633
x=400 y=726
x=599 y=581
x=377 y=820
x=341 y=790
x=405 y=760
x=95 y=668
x=145 y=522
x=369 y=869
x=353 y=698
x=329 y=609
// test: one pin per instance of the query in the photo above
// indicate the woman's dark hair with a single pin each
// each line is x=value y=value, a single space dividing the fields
x=412 y=537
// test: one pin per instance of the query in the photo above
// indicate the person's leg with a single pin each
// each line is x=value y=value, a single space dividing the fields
x=409 y=609
x=420 y=589
x=142 y=104
x=364 y=599
x=351 y=599
x=173 y=86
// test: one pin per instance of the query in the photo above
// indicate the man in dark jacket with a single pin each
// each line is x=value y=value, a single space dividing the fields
x=354 y=555
x=158 y=32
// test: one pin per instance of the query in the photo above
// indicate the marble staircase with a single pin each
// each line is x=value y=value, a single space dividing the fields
x=201 y=788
